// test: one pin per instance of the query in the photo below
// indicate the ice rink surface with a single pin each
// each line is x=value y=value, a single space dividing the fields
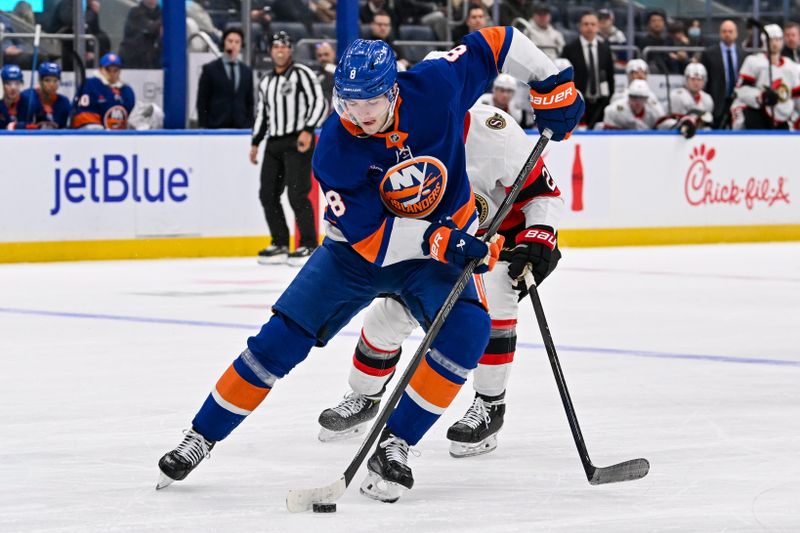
x=688 y=356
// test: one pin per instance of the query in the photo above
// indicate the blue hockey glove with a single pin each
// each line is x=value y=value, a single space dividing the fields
x=446 y=243
x=557 y=103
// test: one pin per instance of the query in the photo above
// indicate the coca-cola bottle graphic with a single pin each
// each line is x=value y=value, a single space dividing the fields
x=577 y=180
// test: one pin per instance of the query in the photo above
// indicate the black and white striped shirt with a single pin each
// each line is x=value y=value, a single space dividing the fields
x=288 y=103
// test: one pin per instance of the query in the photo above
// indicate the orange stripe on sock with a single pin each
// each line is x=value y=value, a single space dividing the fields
x=234 y=389
x=432 y=386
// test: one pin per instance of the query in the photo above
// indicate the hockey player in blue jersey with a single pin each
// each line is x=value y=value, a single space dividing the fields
x=104 y=102
x=43 y=107
x=12 y=84
x=401 y=216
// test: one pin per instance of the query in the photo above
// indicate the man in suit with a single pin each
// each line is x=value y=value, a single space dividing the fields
x=225 y=94
x=722 y=62
x=791 y=41
x=594 y=68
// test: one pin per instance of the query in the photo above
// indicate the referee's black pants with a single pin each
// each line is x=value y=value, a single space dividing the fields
x=284 y=166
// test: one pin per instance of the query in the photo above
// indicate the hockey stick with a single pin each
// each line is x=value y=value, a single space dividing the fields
x=298 y=500
x=627 y=471
x=755 y=23
x=37 y=32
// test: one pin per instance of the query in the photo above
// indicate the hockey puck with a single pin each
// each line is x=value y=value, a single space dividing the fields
x=324 y=507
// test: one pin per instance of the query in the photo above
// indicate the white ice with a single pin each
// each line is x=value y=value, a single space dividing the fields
x=687 y=356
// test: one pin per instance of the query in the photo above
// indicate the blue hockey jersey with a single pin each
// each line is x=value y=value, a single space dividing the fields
x=8 y=115
x=104 y=105
x=33 y=112
x=383 y=190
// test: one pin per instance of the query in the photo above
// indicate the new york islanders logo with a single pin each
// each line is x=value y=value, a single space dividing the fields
x=413 y=188
x=116 y=118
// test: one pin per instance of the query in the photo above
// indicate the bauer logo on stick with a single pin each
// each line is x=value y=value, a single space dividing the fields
x=414 y=188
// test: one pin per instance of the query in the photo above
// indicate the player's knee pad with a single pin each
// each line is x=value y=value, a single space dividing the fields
x=465 y=334
x=280 y=345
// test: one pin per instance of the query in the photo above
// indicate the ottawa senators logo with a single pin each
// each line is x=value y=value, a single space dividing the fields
x=496 y=122
x=483 y=208
x=116 y=118
x=413 y=188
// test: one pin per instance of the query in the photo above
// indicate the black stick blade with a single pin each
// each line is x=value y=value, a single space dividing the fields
x=627 y=471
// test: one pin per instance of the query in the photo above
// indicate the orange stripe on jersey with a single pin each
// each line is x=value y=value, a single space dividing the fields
x=84 y=118
x=432 y=386
x=494 y=37
x=465 y=212
x=371 y=246
x=235 y=390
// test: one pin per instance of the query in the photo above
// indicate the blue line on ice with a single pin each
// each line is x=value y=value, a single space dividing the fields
x=527 y=345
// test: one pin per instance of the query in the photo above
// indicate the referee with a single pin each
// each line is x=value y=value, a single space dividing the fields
x=290 y=107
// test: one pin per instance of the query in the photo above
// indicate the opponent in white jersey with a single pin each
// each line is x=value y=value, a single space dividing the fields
x=637 y=69
x=768 y=92
x=692 y=107
x=496 y=150
x=504 y=90
x=634 y=112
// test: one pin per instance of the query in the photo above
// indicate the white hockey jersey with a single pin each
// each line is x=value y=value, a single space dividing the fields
x=514 y=108
x=754 y=77
x=683 y=101
x=497 y=149
x=652 y=102
x=619 y=116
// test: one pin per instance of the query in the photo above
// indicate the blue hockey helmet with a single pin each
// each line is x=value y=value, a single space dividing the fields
x=48 y=69
x=366 y=69
x=11 y=73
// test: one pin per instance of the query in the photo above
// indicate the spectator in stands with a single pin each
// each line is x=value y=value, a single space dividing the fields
x=42 y=107
x=141 y=43
x=695 y=33
x=607 y=31
x=594 y=67
x=633 y=112
x=543 y=34
x=225 y=91
x=723 y=61
x=381 y=28
x=371 y=7
x=61 y=22
x=677 y=36
x=293 y=11
x=656 y=24
x=504 y=89
x=261 y=26
x=104 y=101
x=791 y=41
x=323 y=10
x=15 y=51
x=24 y=11
x=326 y=66
x=512 y=9
x=12 y=85
x=428 y=13
x=477 y=19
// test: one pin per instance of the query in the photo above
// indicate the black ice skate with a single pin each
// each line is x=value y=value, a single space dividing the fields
x=177 y=464
x=273 y=255
x=476 y=432
x=299 y=257
x=389 y=475
x=349 y=418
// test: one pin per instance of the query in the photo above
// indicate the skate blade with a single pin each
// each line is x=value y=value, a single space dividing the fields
x=377 y=488
x=297 y=261
x=471 y=449
x=164 y=481
x=274 y=260
x=328 y=435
